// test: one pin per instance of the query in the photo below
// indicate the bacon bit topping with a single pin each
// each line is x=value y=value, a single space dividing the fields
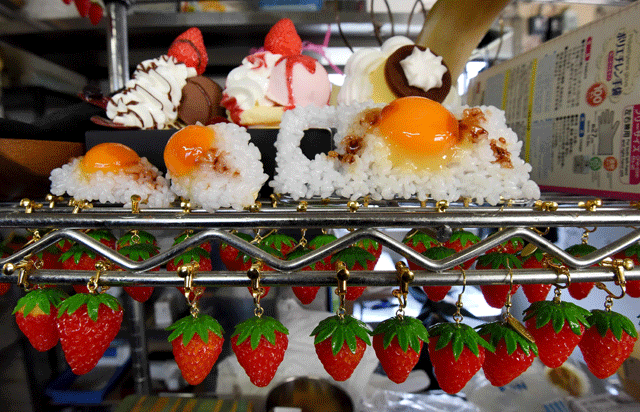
x=217 y=160
x=502 y=155
x=470 y=128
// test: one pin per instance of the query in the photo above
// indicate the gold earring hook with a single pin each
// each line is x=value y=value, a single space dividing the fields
x=94 y=283
x=457 y=316
x=618 y=266
x=404 y=276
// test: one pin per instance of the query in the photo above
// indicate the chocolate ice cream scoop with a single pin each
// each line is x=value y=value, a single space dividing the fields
x=200 y=101
x=398 y=83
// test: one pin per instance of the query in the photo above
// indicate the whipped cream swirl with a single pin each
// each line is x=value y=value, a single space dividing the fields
x=150 y=99
x=357 y=87
x=248 y=83
x=423 y=69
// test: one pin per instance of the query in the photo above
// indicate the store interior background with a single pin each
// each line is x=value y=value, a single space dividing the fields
x=48 y=55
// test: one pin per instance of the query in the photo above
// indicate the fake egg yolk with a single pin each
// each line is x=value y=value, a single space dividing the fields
x=186 y=149
x=109 y=157
x=420 y=133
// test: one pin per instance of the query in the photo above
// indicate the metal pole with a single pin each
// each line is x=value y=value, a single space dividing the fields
x=117 y=44
x=138 y=341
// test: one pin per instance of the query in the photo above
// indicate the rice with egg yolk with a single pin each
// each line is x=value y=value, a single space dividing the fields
x=233 y=180
x=111 y=187
x=478 y=172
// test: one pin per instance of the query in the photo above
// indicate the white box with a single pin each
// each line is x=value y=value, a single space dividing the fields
x=575 y=102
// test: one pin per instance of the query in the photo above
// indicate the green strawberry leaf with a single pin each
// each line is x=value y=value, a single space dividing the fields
x=257 y=327
x=139 y=251
x=299 y=252
x=321 y=240
x=409 y=332
x=101 y=234
x=459 y=336
x=243 y=236
x=75 y=252
x=464 y=236
x=615 y=322
x=190 y=325
x=632 y=251
x=266 y=248
x=341 y=330
x=191 y=255
x=438 y=252
x=558 y=313
x=41 y=298
x=580 y=249
x=53 y=249
x=366 y=243
x=278 y=240
x=352 y=255
x=499 y=260
x=136 y=236
x=91 y=301
x=420 y=238
x=500 y=331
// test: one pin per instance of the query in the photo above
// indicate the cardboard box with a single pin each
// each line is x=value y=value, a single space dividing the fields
x=575 y=102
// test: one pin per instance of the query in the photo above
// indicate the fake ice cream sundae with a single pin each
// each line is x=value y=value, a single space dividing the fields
x=169 y=91
x=398 y=68
x=275 y=79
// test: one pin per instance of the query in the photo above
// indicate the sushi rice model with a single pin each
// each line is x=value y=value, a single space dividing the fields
x=214 y=166
x=413 y=147
x=112 y=173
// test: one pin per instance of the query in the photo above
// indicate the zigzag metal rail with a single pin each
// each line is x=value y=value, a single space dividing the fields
x=515 y=221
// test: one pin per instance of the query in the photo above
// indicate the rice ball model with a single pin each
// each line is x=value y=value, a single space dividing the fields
x=214 y=166
x=112 y=173
x=411 y=148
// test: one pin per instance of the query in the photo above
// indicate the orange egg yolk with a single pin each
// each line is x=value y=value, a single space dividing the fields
x=186 y=148
x=109 y=157
x=420 y=133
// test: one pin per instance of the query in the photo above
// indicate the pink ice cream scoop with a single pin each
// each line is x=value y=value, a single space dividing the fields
x=298 y=81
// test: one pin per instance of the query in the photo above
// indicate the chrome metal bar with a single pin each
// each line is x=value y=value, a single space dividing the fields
x=286 y=219
x=117 y=43
x=314 y=256
x=138 y=342
x=165 y=278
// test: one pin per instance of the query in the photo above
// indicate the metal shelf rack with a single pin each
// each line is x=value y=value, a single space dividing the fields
x=364 y=220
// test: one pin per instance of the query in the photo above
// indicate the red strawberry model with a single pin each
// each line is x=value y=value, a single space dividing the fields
x=87 y=323
x=197 y=343
x=457 y=352
x=496 y=295
x=557 y=328
x=437 y=293
x=535 y=291
x=139 y=252
x=460 y=240
x=36 y=314
x=231 y=257
x=398 y=342
x=305 y=294
x=513 y=354
x=355 y=258
x=580 y=290
x=79 y=257
x=340 y=343
x=608 y=342
x=197 y=254
x=259 y=344
x=320 y=241
x=633 y=253
x=188 y=48
x=418 y=241
x=283 y=39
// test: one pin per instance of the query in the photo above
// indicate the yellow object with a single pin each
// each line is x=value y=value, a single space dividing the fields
x=187 y=148
x=381 y=91
x=109 y=157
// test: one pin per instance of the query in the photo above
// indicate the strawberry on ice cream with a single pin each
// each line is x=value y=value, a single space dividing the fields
x=275 y=79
